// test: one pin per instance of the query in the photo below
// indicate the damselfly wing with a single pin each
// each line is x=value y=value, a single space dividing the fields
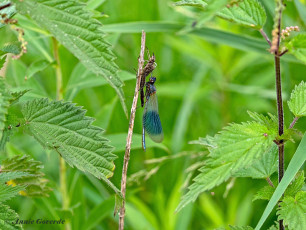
x=151 y=120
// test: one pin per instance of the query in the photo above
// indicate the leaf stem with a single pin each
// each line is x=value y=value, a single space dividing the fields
x=62 y=166
x=130 y=131
x=263 y=33
x=5 y=6
x=270 y=182
x=293 y=122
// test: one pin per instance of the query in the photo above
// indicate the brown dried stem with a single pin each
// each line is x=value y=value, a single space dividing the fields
x=130 y=131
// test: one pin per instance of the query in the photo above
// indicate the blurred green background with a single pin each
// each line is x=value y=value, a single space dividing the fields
x=202 y=85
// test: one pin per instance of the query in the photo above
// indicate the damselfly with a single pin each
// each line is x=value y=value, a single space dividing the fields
x=150 y=120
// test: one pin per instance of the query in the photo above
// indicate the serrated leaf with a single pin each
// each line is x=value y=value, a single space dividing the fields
x=5 y=98
x=297 y=102
x=37 y=66
x=240 y=227
x=263 y=167
x=63 y=127
x=8 y=12
x=296 y=185
x=17 y=95
x=208 y=142
x=265 y=193
x=73 y=26
x=7 y=189
x=293 y=211
x=238 y=146
x=297 y=46
x=195 y=3
x=36 y=184
x=7 y=218
x=247 y=12
x=12 y=47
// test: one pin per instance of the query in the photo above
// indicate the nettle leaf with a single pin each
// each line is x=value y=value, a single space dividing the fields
x=247 y=12
x=5 y=98
x=195 y=3
x=265 y=193
x=211 y=9
x=7 y=218
x=73 y=26
x=36 y=184
x=237 y=147
x=208 y=142
x=297 y=102
x=37 y=66
x=63 y=127
x=2 y=61
x=7 y=189
x=8 y=12
x=240 y=228
x=11 y=47
x=292 y=211
x=296 y=185
x=297 y=46
x=263 y=167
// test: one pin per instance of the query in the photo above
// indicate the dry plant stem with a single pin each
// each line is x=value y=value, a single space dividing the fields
x=59 y=96
x=130 y=131
x=263 y=33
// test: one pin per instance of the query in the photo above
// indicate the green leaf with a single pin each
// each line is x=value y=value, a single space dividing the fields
x=240 y=228
x=7 y=188
x=8 y=11
x=17 y=95
x=265 y=193
x=301 y=8
x=247 y=12
x=63 y=127
x=238 y=146
x=7 y=218
x=208 y=142
x=36 y=184
x=12 y=47
x=73 y=26
x=297 y=102
x=5 y=98
x=295 y=164
x=293 y=211
x=195 y=3
x=297 y=46
x=296 y=185
x=211 y=9
x=2 y=61
x=263 y=167
x=36 y=67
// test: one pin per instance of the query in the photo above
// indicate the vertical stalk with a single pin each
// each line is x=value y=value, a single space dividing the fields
x=130 y=131
x=59 y=96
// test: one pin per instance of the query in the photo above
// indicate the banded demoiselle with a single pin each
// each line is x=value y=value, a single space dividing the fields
x=151 y=120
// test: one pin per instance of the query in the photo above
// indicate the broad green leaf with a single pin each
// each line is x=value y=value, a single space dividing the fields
x=295 y=164
x=73 y=26
x=237 y=147
x=296 y=185
x=208 y=141
x=263 y=167
x=36 y=67
x=240 y=228
x=7 y=218
x=5 y=98
x=195 y=3
x=36 y=184
x=8 y=11
x=63 y=127
x=17 y=95
x=265 y=193
x=12 y=47
x=94 y=4
x=297 y=102
x=297 y=47
x=247 y=12
x=9 y=190
x=293 y=211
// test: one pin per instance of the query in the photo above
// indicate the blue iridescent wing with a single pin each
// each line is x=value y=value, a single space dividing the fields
x=151 y=120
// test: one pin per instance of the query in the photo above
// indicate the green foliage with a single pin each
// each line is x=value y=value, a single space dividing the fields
x=297 y=102
x=36 y=67
x=2 y=61
x=295 y=164
x=292 y=211
x=8 y=12
x=296 y=185
x=64 y=128
x=265 y=193
x=81 y=35
x=12 y=47
x=36 y=184
x=248 y=13
x=7 y=218
x=7 y=189
x=196 y=3
x=5 y=98
x=297 y=46
x=237 y=147
x=241 y=228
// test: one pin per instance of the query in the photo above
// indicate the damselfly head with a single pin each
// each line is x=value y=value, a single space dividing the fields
x=152 y=80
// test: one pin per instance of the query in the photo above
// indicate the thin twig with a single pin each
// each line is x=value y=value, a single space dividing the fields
x=293 y=122
x=5 y=6
x=130 y=131
x=263 y=33
x=282 y=53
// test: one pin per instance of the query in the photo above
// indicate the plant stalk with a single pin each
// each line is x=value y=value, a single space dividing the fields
x=130 y=131
x=62 y=165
